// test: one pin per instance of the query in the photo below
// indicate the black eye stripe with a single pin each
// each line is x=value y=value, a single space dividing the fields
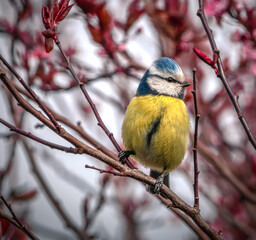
x=169 y=79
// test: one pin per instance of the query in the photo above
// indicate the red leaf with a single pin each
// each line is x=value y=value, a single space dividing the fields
x=18 y=234
x=134 y=12
x=203 y=56
x=62 y=14
x=172 y=5
x=27 y=11
x=104 y=18
x=63 y=4
x=24 y=196
x=96 y=33
x=88 y=6
x=216 y=8
x=25 y=37
x=4 y=226
x=54 y=10
x=48 y=44
x=45 y=16
x=48 y=33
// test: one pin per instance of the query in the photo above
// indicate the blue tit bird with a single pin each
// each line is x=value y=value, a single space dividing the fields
x=156 y=126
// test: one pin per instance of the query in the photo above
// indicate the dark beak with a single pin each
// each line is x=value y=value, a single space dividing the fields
x=185 y=84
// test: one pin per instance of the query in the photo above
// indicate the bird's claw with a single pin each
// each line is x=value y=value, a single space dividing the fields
x=158 y=185
x=122 y=155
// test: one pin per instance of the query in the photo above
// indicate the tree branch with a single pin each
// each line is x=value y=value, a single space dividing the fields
x=88 y=98
x=78 y=128
x=31 y=92
x=16 y=222
x=39 y=140
x=197 y=116
x=225 y=171
x=80 y=234
x=184 y=218
x=220 y=74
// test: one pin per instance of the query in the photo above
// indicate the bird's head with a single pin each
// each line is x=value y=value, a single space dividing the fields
x=164 y=77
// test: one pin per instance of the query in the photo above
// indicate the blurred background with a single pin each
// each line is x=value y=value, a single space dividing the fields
x=110 y=44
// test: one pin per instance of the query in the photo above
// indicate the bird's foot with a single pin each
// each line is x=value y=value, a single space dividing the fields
x=123 y=154
x=155 y=189
x=159 y=183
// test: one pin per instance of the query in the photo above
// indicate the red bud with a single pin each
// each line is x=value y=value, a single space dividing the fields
x=203 y=56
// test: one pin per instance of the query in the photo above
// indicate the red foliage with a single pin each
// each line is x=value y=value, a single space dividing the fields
x=176 y=35
x=100 y=24
x=134 y=12
x=4 y=226
x=51 y=17
x=23 y=196
x=216 y=8
x=8 y=231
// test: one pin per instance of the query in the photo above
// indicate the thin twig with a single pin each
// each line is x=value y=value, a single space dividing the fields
x=120 y=174
x=88 y=98
x=197 y=116
x=16 y=219
x=31 y=92
x=73 y=84
x=220 y=74
x=78 y=128
x=26 y=106
x=7 y=168
x=80 y=234
x=90 y=218
x=227 y=215
x=184 y=218
x=226 y=173
x=243 y=226
x=40 y=140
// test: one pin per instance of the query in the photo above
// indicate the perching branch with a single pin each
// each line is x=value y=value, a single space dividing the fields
x=173 y=201
x=220 y=74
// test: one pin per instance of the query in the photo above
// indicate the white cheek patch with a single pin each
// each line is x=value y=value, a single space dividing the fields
x=163 y=87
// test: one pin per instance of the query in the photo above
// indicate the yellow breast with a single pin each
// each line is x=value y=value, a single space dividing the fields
x=156 y=128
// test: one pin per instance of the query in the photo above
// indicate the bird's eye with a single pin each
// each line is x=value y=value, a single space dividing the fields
x=170 y=79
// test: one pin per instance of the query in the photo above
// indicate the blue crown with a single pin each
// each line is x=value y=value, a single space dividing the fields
x=166 y=64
